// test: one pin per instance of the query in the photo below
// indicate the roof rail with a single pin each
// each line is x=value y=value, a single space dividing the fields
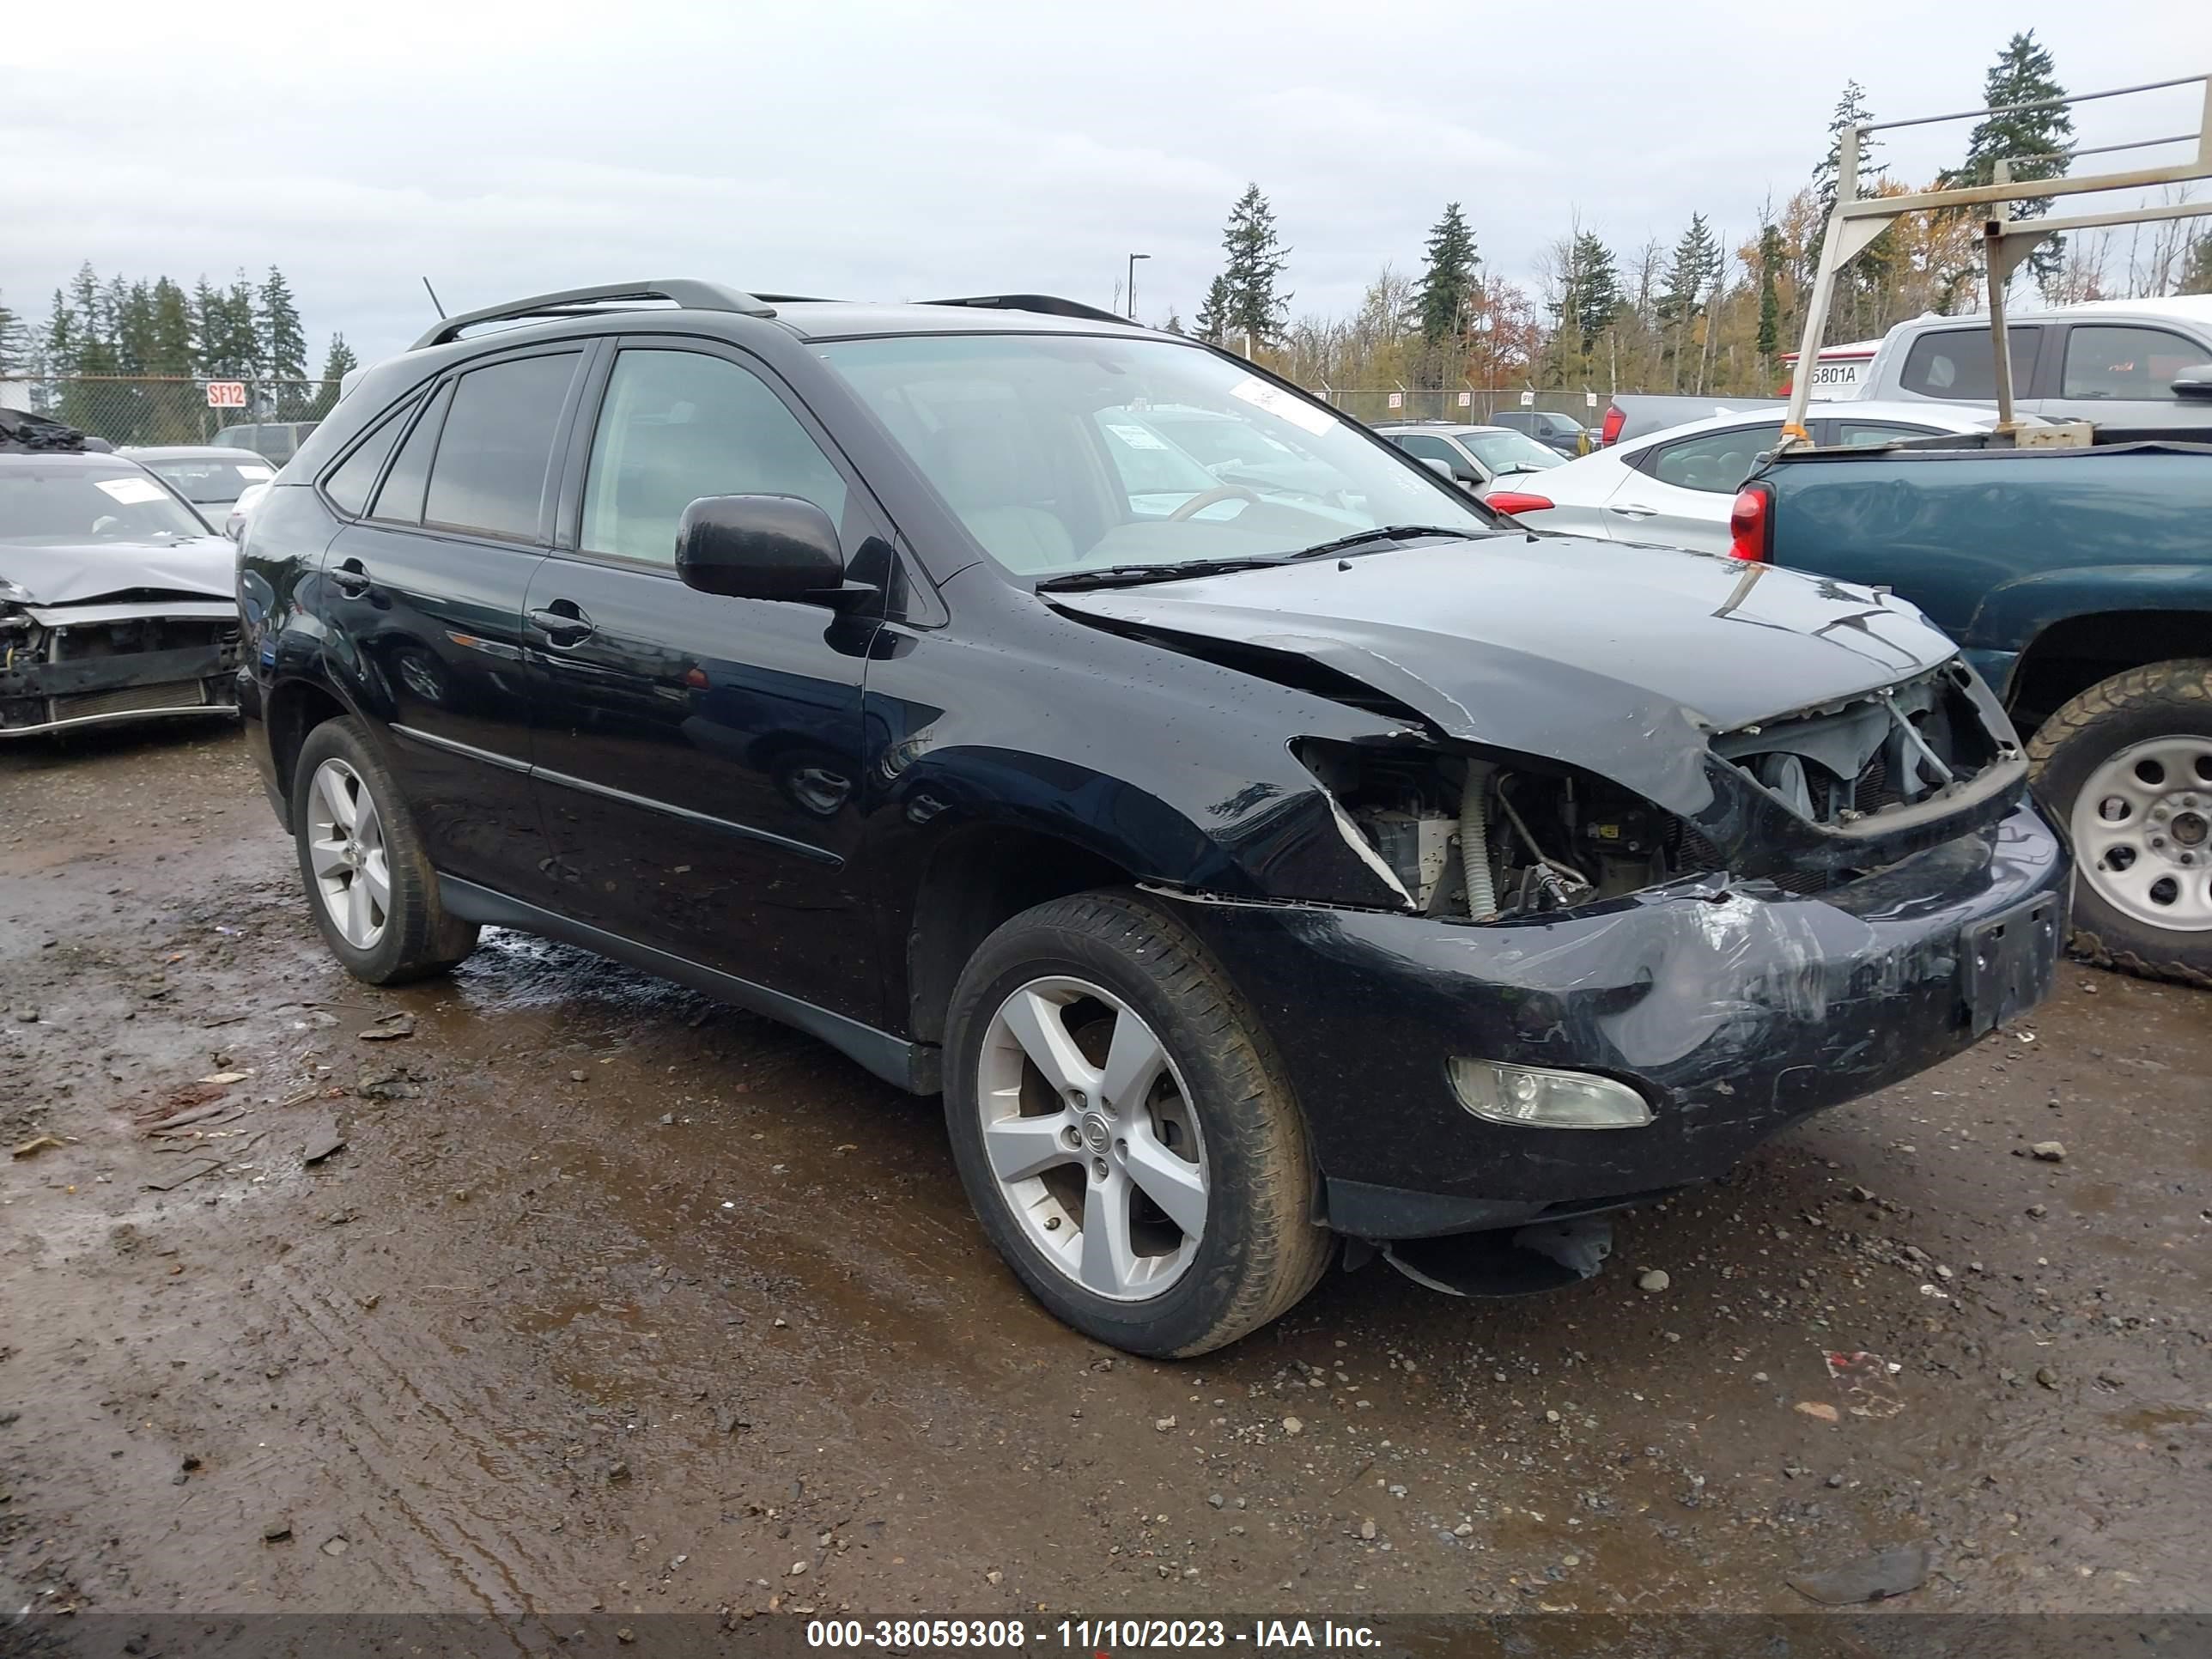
x=684 y=292
x=1045 y=303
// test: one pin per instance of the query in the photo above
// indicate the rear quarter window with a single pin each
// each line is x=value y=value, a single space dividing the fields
x=349 y=482
x=1956 y=364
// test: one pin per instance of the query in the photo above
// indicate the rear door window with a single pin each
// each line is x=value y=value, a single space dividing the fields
x=496 y=449
x=1716 y=463
x=1956 y=364
x=1424 y=447
x=2105 y=361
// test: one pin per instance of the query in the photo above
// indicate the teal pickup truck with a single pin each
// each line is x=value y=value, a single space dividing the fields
x=2078 y=581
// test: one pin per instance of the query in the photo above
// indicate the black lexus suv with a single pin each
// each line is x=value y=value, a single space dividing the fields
x=1256 y=852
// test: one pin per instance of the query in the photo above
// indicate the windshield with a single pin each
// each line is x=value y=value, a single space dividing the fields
x=211 y=481
x=1063 y=454
x=66 y=505
x=1509 y=452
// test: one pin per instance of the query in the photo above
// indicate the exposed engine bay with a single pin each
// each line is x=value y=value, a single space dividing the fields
x=1861 y=756
x=1550 y=839
x=61 y=666
x=1552 y=836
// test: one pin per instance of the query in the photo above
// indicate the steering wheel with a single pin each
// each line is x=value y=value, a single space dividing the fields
x=1206 y=498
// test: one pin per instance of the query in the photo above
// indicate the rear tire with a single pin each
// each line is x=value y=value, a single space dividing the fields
x=2126 y=766
x=369 y=883
x=1207 y=1122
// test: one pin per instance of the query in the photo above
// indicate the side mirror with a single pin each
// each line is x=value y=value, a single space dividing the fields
x=1442 y=469
x=759 y=547
x=2195 y=381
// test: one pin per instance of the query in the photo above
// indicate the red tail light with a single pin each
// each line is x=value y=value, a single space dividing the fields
x=1609 y=434
x=1751 y=524
x=1514 y=500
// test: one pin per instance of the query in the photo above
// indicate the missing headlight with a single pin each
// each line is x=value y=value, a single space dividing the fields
x=1546 y=836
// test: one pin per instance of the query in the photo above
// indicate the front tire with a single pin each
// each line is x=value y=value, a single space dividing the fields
x=2127 y=766
x=1124 y=1132
x=369 y=883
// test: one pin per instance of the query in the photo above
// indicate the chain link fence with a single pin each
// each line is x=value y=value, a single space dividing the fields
x=1373 y=404
x=167 y=409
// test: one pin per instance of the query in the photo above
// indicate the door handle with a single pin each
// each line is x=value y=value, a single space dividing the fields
x=563 y=623
x=350 y=578
x=1630 y=510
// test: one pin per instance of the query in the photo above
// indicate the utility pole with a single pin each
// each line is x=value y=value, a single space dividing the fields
x=1134 y=258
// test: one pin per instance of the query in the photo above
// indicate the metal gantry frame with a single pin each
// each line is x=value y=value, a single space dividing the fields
x=1856 y=221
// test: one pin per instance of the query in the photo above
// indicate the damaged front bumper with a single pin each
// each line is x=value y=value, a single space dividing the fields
x=65 y=666
x=1734 y=1007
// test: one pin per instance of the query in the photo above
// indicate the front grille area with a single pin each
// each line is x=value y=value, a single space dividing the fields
x=131 y=700
x=1864 y=756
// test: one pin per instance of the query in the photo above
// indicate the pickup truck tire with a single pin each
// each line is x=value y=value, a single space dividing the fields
x=1156 y=1078
x=2135 y=752
x=369 y=883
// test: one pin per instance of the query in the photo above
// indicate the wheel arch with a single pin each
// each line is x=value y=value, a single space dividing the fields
x=977 y=877
x=291 y=708
x=2069 y=655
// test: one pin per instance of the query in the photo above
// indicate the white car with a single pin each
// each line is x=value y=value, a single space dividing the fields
x=1674 y=487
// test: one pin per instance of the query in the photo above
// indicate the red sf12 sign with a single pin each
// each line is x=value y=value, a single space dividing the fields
x=226 y=394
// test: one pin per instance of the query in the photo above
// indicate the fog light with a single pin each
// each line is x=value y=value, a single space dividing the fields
x=1540 y=1098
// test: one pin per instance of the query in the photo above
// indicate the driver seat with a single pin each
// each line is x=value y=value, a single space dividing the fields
x=986 y=463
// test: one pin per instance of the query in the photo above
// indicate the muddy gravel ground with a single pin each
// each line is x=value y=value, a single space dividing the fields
x=613 y=1298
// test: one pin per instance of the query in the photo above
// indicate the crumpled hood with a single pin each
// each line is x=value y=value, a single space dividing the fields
x=205 y=565
x=1620 y=659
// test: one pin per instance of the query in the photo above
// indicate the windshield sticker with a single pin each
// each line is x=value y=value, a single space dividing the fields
x=253 y=471
x=1279 y=402
x=1135 y=436
x=132 y=492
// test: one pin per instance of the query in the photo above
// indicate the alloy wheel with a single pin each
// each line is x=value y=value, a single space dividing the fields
x=1092 y=1137
x=345 y=847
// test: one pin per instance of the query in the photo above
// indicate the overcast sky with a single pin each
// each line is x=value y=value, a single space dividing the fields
x=914 y=151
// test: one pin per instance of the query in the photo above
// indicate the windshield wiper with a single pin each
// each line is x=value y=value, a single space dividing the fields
x=1388 y=532
x=1129 y=575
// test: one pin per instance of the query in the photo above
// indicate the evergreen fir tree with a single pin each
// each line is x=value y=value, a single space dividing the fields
x=170 y=351
x=241 y=331
x=1256 y=311
x=134 y=327
x=61 y=338
x=282 y=345
x=1212 y=320
x=1597 y=295
x=2196 y=273
x=338 y=363
x=1690 y=274
x=13 y=348
x=1769 y=300
x=207 y=327
x=1440 y=304
x=2037 y=141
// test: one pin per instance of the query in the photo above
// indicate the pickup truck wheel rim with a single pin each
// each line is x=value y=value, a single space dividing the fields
x=2142 y=832
x=345 y=847
x=1091 y=1135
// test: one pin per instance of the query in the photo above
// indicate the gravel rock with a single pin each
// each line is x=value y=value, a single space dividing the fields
x=2050 y=1152
x=1655 y=1280
x=1293 y=1426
